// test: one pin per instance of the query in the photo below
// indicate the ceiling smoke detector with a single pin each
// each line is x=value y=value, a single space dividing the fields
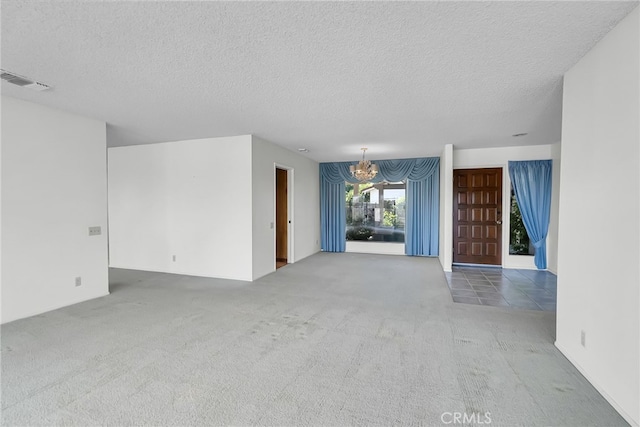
x=23 y=81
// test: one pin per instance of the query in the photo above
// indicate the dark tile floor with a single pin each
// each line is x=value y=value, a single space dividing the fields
x=526 y=289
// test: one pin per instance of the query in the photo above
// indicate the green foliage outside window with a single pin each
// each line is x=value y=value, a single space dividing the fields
x=359 y=233
x=390 y=219
x=518 y=239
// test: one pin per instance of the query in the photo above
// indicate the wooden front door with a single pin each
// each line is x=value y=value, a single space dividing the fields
x=477 y=216
x=282 y=216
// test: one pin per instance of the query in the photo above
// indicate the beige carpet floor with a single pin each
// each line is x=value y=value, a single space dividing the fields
x=336 y=339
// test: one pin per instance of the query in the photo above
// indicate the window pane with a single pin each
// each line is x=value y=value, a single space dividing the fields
x=519 y=243
x=376 y=212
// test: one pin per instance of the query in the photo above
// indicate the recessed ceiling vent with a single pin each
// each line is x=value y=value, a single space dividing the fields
x=23 y=81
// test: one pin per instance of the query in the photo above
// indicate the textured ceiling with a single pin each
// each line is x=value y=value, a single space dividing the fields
x=402 y=78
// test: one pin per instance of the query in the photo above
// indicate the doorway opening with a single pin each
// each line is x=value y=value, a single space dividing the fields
x=282 y=223
x=477 y=216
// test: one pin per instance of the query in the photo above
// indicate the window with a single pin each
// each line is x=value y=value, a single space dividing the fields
x=519 y=243
x=376 y=212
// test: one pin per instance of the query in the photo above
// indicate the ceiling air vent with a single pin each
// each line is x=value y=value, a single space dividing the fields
x=23 y=81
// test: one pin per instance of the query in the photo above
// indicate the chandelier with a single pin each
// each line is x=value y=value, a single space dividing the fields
x=364 y=170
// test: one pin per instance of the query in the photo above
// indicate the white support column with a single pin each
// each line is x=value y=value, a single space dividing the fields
x=446 y=208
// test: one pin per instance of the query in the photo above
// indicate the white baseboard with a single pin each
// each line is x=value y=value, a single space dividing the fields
x=600 y=390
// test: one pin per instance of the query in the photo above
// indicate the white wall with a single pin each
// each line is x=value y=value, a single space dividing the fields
x=552 y=236
x=306 y=204
x=499 y=157
x=54 y=186
x=446 y=208
x=599 y=248
x=191 y=199
x=381 y=248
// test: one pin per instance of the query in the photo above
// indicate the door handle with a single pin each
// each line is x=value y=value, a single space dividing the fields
x=498 y=222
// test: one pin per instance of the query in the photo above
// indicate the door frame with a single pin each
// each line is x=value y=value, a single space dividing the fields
x=290 y=212
x=499 y=217
x=505 y=213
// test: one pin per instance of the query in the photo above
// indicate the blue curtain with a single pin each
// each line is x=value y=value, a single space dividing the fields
x=423 y=197
x=332 y=216
x=423 y=208
x=531 y=182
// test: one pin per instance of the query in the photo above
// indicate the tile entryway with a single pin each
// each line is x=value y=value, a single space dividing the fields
x=525 y=289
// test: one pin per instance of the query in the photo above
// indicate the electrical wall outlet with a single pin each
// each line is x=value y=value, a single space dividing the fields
x=583 y=338
x=78 y=281
x=173 y=258
x=95 y=231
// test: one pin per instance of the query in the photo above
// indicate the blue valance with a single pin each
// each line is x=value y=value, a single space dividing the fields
x=388 y=170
